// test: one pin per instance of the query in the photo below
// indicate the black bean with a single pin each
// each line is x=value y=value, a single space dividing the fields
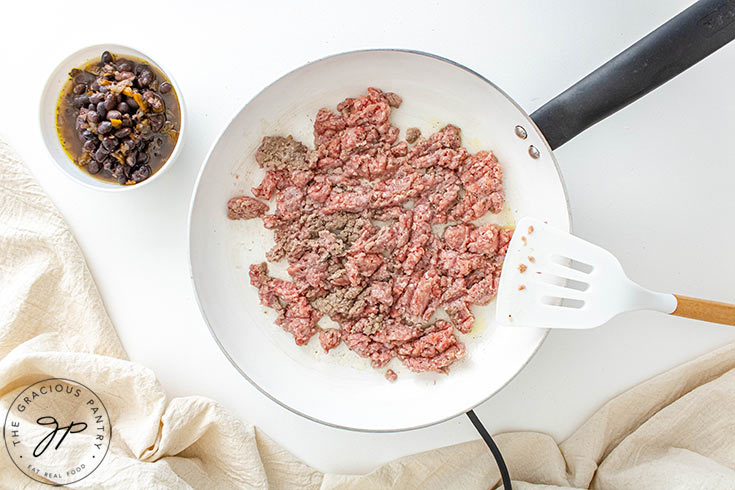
x=101 y=111
x=123 y=107
x=132 y=103
x=125 y=65
x=106 y=57
x=114 y=114
x=131 y=158
x=110 y=143
x=89 y=135
x=83 y=79
x=93 y=117
x=90 y=145
x=118 y=171
x=109 y=164
x=100 y=154
x=92 y=107
x=96 y=98
x=122 y=133
x=129 y=143
x=145 y=78
x=81 y=101
x=139 y=68
x=93 y=167
x=165 y=87
x=110 y=101
x=127 y=121
x=157 y=121
x=142 y=157
x=104 y=127
x=140 y=173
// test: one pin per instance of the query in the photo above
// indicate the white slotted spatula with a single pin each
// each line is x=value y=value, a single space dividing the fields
x=552 y=279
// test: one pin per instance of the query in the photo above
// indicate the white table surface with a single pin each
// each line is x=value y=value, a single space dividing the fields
x=655 y=184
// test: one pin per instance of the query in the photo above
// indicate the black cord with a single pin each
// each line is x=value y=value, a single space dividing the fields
x=504 y=475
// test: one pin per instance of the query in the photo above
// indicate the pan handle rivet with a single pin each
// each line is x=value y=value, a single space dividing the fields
x=521 y=132
x=533 y=151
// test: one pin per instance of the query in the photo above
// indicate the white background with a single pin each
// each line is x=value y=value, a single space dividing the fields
x=654 y=183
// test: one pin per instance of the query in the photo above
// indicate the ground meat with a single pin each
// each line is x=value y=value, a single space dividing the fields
x=277 y=152
x=439 y=363
x=394 y=100
x=412 y=134
x=330 y=338
x=355 y=220
x=245 y=207
x=295 y=313
x=482 y=179
x=274 y=179
x=391 y=375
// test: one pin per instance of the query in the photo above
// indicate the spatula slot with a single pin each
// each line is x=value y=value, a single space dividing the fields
x=564 y=282
x=572 y=264
x=563 y=302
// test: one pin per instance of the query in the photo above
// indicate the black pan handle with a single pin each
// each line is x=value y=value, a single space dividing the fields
x=695 y=33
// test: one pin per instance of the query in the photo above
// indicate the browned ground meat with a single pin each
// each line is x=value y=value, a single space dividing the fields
x=394 y=100
x=277 y=153
x=355 y=220
x=245 y=207
x=412 y=134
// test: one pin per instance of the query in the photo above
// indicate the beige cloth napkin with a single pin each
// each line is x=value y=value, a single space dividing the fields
x=675 y=431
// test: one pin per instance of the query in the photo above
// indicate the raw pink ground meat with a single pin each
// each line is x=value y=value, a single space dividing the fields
x=295 y=313
x=330 y=338
x=355 y=220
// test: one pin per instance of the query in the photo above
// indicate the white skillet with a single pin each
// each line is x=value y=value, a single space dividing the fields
x=338 y=389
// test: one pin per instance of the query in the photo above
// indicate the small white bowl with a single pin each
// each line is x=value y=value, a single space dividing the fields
x=49 y=101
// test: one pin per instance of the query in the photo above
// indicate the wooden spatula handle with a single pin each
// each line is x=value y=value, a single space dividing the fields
x=704 y=309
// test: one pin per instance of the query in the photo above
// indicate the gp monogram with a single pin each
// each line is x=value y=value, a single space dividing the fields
x=57 y=431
